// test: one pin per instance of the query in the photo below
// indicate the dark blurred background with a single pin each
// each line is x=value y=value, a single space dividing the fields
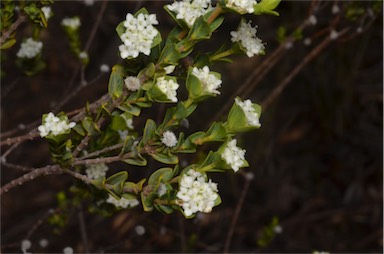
x=317 y=161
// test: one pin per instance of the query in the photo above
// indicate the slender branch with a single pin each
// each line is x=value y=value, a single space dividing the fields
x=102 y=160
x=47 y=170
x=19 y=139
x=96 y=25
x=5 y=35
x=236 y=214
x=97 y=153
x=315 y=52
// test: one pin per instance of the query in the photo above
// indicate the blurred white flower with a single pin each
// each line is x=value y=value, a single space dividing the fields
x=29 y=48
x=73 y=23
x=138 y=36
x=210 y=82
x=233 y=155
x=168 y=87
x=246 y=36
x=242 y=6
x=169 y=139
x=249 y=111
x=95 y=171
x=190 y=10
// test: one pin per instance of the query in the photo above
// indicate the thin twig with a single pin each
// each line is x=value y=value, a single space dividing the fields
x=102 y=160
x=236 y=214
x=315 y=52
x=5 y=35
x=47 y=170
x=19 y=139
x=83 y=230
x=105 y=150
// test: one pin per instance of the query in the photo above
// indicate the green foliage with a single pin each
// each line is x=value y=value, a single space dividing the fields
x=268 y=233
x=107 y=133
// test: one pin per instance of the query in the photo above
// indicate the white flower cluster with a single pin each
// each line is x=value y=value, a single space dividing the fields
x=190 y=10
x=95 y=171
x=30 y=48
x=168 y=87
x=47 y=12
x=72 y=23
x=132 y=83
x=242 y=6
x=138 y=36
x=196 y=194
x=210 y=82
x=249 y=111
x=233 y=155
x=246 y=35
x=169 y=139
x=122 y=202
x=54 y=125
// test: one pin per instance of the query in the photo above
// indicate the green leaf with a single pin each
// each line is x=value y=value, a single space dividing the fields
x=116 y=183
x=216 y=132
x=118 y=123
x=169 y=55
x=200 y=30
x=194 y=86
x=90 y=126
x=116 y=82
x=9 y=43
x=131 y=109
x=137 y=161
x=147 y=72
x=135 y=187
x=266 y=7
x=165 y=158
x=149 y=131
x=120 y=29
x=164 y=209
x=147 y=201
x=160 y=175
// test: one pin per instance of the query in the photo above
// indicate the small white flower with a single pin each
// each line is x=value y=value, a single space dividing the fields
x=29 y=49
x=196 y=194
x=233 y=155
x=95 y=171
x=242 y=6
x=169 y=69
x=73 y=23
x=128 y=121
x=278 y=229
x=47 y=12
x=140 y=230
x=43 y=243
x=132 y=83
x=190 y=10
x=89 y=2
x=83 y=55
x=169 y=139
x=168 y=87
x=123 y=134
x=25 y=245
x=210 y=82
x=138 y=36
x=335 y=9
x=122 y=202
x=104 y=68
x=68 y=250
x=312 y=20
x=249 y=111
x=307 y=41
x=54 y=125
x=246 y=36
x=333 y=35
x=161 y=190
